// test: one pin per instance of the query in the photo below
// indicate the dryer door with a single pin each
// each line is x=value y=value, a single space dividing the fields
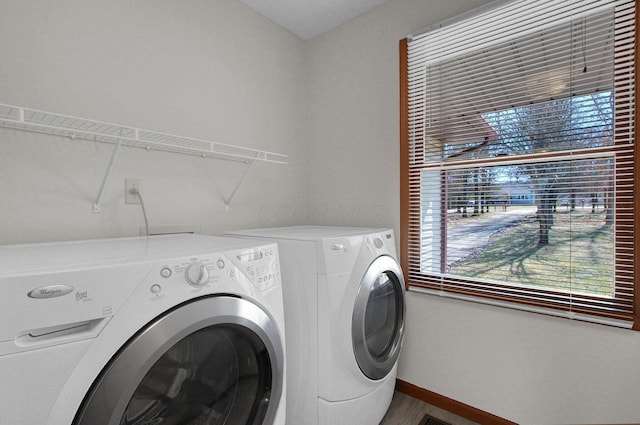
x=215 y=360
x=378 y=318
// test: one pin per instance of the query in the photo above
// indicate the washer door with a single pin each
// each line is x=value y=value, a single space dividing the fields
x=378 y=318
x=212 y=361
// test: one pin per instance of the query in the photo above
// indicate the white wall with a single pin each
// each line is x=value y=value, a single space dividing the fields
x=528 y=368
x=213 y=70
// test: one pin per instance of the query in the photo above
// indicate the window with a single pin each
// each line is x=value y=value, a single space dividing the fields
x=518 y=158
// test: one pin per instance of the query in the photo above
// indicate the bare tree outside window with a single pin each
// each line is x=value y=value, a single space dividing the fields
x=532 y=221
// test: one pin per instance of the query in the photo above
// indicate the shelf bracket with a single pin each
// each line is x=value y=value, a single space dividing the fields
x=96 y=204
x=227 y=202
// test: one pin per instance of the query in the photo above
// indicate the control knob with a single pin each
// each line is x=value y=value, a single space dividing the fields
x=196 y=274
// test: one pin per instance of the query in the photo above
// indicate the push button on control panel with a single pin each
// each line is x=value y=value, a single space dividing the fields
x=165 y=272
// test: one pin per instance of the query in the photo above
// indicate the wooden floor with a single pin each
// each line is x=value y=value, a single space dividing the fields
x=406 y=410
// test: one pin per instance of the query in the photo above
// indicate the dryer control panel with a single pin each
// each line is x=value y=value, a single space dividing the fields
x=339 y=253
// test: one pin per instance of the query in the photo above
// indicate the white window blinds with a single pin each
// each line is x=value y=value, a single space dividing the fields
x=518 y=168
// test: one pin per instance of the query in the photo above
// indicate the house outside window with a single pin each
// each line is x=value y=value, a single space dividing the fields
x=518 y=150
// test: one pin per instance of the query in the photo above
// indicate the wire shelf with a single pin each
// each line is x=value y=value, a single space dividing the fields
x=20 y=118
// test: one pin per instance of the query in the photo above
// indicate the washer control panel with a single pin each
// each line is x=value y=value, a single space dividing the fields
x=258 y=267
x=261 y=266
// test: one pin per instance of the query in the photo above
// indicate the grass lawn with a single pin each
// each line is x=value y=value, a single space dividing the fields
x=579 y=257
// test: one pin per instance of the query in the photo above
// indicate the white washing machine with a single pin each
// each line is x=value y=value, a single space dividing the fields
x=344 y=312
x=181 y=329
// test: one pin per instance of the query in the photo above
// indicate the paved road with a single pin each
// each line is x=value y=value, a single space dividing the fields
x=465 y=239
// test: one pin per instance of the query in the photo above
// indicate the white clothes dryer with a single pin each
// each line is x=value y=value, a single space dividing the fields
x=344 y=313
x=180 y=329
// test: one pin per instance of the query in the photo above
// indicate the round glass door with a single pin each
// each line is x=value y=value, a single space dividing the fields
x=378 y=318
x=223 y=365
x=218 y=375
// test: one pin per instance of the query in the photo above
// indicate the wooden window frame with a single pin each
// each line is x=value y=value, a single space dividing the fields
x=409 y=207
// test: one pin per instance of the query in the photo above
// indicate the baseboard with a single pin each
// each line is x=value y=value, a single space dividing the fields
x=453 y=406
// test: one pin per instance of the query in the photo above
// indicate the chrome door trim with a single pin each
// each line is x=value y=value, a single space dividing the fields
x=377 y=368
x=108 y=399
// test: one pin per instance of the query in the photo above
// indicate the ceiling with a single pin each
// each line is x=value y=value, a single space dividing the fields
x=309 y=18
